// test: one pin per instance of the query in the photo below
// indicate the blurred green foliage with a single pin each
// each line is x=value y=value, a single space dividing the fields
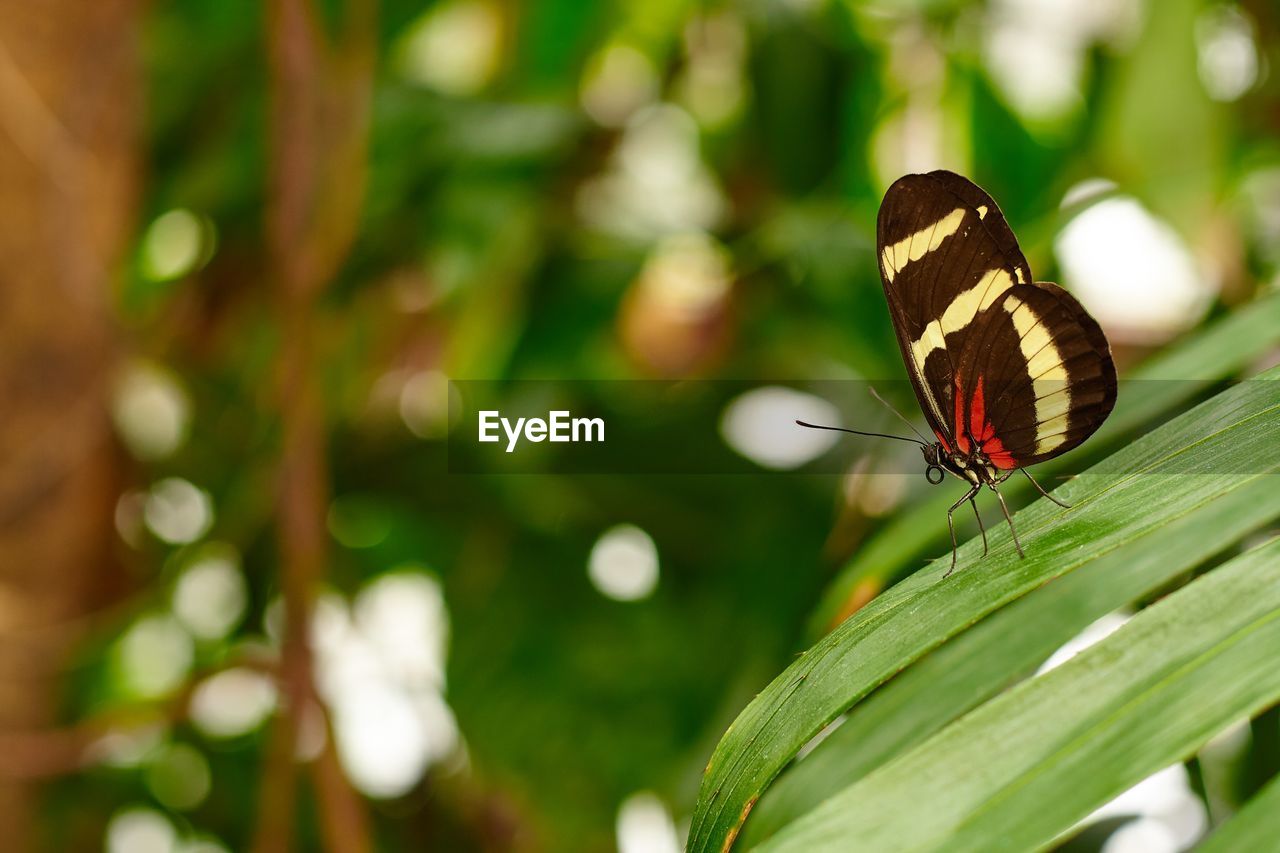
x=493 y=246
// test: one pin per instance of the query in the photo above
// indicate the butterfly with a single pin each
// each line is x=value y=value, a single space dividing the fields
x=1008 y=371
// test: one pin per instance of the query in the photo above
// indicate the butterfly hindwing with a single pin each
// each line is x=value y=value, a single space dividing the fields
x=1035 y=377
x=1000 y=363
x=945 y=255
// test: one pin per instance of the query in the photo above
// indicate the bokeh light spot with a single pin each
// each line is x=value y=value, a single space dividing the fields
x=128 y=747
x=358 y=522
x=656 y=182
x=380 y=669
x=1226 y=53
x=1036 y=49
x=453 y=48
x=873 y=494
x=687 y=275
x=381 y=741
x=129 y=517
x=179 y=777
x=403 y=615
x=761 y=425
x=624 y=563
x=1260 y=199
x=155 y=655
x=140 y=830
x=177 y=512
x=174 y=245
x=1170 y=814
x=424 y=403
x=713 y=86
x=1097 y=631
x=1131 y=270
x=617 y=82
x=910 y=139
x=151 y=411
x=210 y=595
x=645 y=826
x=232 y=703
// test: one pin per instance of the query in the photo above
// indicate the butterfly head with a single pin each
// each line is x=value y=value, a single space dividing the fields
x=935 y=458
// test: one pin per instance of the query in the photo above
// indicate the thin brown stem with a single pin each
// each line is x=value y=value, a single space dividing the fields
x=319 y=131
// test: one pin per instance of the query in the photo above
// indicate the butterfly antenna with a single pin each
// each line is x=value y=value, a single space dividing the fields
x=885 y=403
x=860 y=432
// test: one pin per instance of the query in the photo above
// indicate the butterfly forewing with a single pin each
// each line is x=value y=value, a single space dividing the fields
x=945 y=254
x=1002 y=364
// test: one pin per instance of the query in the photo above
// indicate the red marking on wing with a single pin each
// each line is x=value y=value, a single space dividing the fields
x=981 y=430
x=962 y=439
x=943 y=440
x=999 y=457
x=978 y=426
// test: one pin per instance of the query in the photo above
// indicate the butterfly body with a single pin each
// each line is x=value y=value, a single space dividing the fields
x=975 y=468
x=1008 y=371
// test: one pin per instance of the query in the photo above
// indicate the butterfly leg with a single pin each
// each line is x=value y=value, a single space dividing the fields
x=968 y=496
x=1041 y=490
x=1005 y=509
x=982 y=527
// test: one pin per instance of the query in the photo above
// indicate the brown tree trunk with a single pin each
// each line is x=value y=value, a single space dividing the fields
x=68 y=110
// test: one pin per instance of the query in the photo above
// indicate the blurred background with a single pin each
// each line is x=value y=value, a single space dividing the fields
x=245 y=247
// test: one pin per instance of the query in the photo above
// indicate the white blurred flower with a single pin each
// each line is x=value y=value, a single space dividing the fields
x=383 y=741
x=380 y=671
x=403 y=615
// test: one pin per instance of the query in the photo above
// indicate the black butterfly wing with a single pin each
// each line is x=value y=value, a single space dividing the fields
x=1000 y=363
x=946 y=254
x=1035 y=377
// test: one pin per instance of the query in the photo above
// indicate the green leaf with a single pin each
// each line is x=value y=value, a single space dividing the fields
x=1199 y=458
x=1255 y=827
x=1164 y=383
x=1000 y=649
x=1028 y=765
